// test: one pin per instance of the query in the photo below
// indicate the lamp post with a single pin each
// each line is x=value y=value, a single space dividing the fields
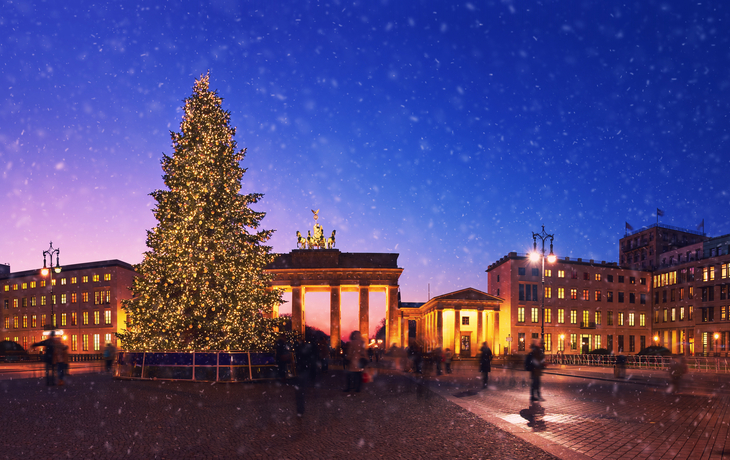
x=540 y=256
x=717 y=336
x=48 y=271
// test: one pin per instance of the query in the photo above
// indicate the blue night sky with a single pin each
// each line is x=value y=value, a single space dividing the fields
x=446 y=132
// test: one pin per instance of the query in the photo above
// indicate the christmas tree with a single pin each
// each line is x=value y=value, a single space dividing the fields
x=201 y=285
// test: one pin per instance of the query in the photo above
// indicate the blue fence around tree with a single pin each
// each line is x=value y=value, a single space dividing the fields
x=221 y=366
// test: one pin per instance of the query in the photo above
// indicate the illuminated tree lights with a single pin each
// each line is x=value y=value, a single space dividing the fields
x=201 y=285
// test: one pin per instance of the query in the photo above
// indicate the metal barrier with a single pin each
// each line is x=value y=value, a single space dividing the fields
x=695 y=363
x=221 y=366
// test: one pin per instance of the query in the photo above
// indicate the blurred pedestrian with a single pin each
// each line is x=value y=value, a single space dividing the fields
x=47 y=357
x=356 y=361
x=448 y=357
x=535 y=363
x=438 y=358
x=485 y=363
x=109 y=353
x=306 y=366
x=677 y=369
x=60 y=357
x=283 y=357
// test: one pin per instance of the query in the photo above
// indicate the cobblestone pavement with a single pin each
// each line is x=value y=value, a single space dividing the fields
x=601 y=417
x=93 y=416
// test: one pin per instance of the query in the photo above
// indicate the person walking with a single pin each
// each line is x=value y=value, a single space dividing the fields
x=48 y=345
x=60 y=357
x=356 y=360
x=438 y=358
x=485 y=363
x=109 y=352
x=535 y=363
x=448 y=357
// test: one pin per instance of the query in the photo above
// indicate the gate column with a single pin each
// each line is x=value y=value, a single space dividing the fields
x=335 y=313
x=297 y=309
x=393 y=318
x=364 y=312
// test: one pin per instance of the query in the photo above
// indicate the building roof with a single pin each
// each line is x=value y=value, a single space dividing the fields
x=72 y=267
x=333 y=258
x=564 y=260
x=466 y=294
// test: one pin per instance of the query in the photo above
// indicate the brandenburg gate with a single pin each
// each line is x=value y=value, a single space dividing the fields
x=317 y=267
x=329 y=270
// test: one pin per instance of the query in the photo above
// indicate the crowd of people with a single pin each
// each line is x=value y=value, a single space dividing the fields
x=55 y=356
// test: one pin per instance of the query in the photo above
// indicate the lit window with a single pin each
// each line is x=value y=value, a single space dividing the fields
x=548 y=342
x=33 y=301
x=25 y=286
x=34 y=321
x=74 y=297
x=598 y=277
x=85 y=318
x=561 y=316
x=573 y=316
x=107 y=276
x=620 y=318
x=631 y=319
x=15 y=322
x=586 y=294
x=548 y=272
x=95 y=278
x=573 y=294
x=63 y=281
x=15 y=303
x=73 y=318
x=107 y=338
x=598 y=318
x=548 y=292
x=108 y=317
x=535 y=315
x=521 y=314
x=97 y=346
x=73 y=280
x=25 y=320
x=561 y=273
x=6 y=288
x=63 y=299
x=548 y=315
x=597 y=296
x=7 y=322
x=573 y=341
x=32 y=284
x=85 y=297
x=63 y=319
x=74 y=343
x=96 y=317
x=43 y=283
x=597 y=341
x=642 y=319
x=85 y=342
x=84 y=279
x=561 y=293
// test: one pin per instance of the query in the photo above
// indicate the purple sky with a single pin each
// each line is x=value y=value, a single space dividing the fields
x=445 y=132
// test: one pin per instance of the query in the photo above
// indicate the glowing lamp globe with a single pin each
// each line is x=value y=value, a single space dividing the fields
x=552 y=258
x=534 y=257
x=44 y=271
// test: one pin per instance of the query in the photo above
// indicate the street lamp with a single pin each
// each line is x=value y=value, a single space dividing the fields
x=536 y=256
x=717 y=336
x=48 y=271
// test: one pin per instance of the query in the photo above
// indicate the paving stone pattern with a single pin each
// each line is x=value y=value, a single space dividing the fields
x=604 y=419
x=93 y=416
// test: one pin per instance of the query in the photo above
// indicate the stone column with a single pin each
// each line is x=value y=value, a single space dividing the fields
x=439 y=330
x=457 y=331
x=391 y=310
x=403 y=332
x=495 y=334
x=297 y=309
x=335 y=310
x=480 y=327
x=364 y=312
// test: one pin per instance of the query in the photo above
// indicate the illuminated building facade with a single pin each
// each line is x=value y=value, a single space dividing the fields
x=85 y=304
x=588 y=305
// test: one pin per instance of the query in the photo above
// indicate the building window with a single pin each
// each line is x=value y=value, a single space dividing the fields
x=63 y=319
x=573 y=316
x=97 y=345
x=15 y=303
x=521 y=341
x=74 y=297
x=548 y=312
x=642 y=299
x=620 y=278
x=573 y=294
x=34 y=321
x=521 y=271
x=520 y=314
x=7 y=322
x=85 y=318
x=74 y=343
x=598 y=318
x=597 y=296
x=464 y=320
x=63 y=299
x=609 y=278
x=597 y=341
x=642 y=342
x=642 y=281
x=561 y=273
x=673 y=315
x=632 y=280
x=665 y=315
x=632 y=297
x=609 y=296
x=586 y=294
x=642 y=319
x=561 y=293
x=561 y=316
x=609 y=318
x=620 y=318
x=631 y=319
x=548 y=342
x=25 y=321
x=97 y=317
x=107 y=338
x=535 y=315
x=535 y=272
x=107 y=276
x=548 y=292
x=681 y=313
x=73 y=318
x=73 y=280
x=690 y=311
x=632 y=343
x=586 y=317
x=63 y=281
x=95 y=278
x=620 y=343
x=585 y=276
x=85 y=342
x=84 y=279
x=548 y=273
x=620 y=297
x=561 y=343
x=108 y=317
x=573 y=341
x=33 y=301
x=598 y=277
x=85 y=297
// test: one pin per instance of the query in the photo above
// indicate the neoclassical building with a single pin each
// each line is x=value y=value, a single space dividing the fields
x=460 y=321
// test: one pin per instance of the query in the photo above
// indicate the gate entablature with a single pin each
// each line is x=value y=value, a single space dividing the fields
x=329 y=270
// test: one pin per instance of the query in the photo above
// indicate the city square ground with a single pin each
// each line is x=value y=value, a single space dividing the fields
x=586 y=414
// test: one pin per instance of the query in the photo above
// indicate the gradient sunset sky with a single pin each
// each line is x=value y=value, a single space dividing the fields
x=444 y=131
